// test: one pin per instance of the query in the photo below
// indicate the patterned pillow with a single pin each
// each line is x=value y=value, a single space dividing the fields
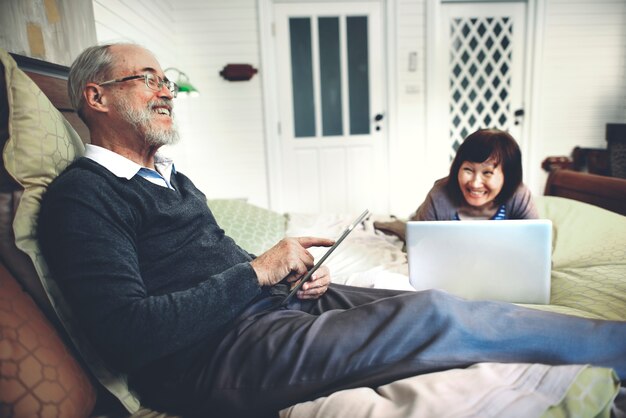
x=589 y=258
x=255 y=229
x=40 y=145
x=40 y=377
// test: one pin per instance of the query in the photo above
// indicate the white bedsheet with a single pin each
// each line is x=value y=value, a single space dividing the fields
x=483 y=390
x=366 y=258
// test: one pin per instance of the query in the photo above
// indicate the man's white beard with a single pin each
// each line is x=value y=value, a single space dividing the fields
x=141 y=119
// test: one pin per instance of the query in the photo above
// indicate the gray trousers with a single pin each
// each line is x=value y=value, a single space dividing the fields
x=276 y=357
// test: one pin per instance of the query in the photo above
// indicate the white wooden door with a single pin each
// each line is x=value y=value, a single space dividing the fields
x=477 y=75
x=330 y=73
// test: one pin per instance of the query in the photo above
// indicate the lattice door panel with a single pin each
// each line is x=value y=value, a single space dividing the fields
x=481 y=54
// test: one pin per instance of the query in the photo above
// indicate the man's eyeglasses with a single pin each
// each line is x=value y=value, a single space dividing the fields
x=153 y=82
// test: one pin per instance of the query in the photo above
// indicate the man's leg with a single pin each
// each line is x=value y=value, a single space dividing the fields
x=276 y=358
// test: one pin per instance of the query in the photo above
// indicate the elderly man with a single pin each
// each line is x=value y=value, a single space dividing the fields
x=197 y=322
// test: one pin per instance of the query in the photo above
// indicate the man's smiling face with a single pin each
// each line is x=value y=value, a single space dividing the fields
x=148 y=111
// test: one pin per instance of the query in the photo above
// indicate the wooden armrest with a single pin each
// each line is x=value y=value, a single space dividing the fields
x=606 y=192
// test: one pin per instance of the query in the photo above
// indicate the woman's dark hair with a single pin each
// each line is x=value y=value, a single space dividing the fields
x=489 y=144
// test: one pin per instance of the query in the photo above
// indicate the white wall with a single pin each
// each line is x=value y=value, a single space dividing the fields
x=580 y=82
x=146 y=22
x=410 y=180
x=149 y=23
x=225 y=140
x=222 y=145
x=582 y=79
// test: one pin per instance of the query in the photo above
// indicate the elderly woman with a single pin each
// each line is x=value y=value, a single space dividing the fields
x=485 y=182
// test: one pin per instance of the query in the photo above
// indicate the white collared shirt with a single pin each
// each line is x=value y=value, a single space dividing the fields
x=125 y=168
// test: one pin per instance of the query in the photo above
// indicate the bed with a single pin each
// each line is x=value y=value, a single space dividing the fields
x=588 y=279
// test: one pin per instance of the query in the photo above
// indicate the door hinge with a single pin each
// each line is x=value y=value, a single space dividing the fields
x=278 y=128
x=273 y=29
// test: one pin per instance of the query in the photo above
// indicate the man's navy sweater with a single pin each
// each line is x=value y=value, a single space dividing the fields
x=146 y=269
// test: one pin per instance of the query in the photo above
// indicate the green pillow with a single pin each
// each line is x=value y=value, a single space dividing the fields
x=255 y=229
x=590 y=395
x=589 y=257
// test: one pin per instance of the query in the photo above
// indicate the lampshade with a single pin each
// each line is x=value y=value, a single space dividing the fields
x=185 y=88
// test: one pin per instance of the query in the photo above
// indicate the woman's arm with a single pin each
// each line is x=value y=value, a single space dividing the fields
x=522 y=205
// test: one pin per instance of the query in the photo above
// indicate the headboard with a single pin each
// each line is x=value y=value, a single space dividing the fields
x=52 y=80
x=604 y=191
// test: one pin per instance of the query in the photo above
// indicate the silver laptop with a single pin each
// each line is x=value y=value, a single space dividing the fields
x=506 y=260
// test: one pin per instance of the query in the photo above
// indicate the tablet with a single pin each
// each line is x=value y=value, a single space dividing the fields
x=325 y=256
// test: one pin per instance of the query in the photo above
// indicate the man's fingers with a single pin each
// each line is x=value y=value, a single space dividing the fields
x=307 y=242
x=293 y=277
x=300 y=269
x=287 y=259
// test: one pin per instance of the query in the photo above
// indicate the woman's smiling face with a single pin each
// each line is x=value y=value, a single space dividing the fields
x=480 y=183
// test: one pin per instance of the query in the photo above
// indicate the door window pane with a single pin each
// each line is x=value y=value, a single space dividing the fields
x=358 y=75
x=302 y=77
x=330 y=76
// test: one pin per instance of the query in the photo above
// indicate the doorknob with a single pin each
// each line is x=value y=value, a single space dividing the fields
x=378 y=118
x=518 y=114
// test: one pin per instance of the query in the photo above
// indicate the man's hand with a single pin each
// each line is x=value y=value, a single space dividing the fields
x=290 y=258
x=316 y=286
